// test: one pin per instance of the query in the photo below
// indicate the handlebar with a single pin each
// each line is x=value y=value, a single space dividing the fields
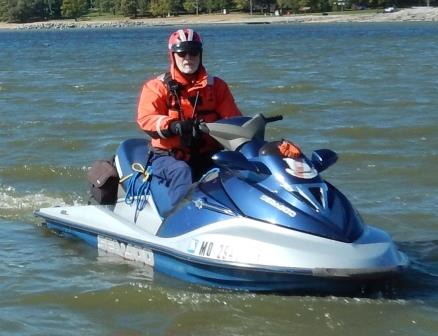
x=274 y=118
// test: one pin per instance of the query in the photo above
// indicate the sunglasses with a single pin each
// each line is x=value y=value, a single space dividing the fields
x=183 y=54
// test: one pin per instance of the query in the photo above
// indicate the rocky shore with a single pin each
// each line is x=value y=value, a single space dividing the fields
x=411 y=14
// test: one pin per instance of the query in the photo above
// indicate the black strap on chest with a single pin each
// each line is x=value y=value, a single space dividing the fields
x=174 y=88
x=171 y=84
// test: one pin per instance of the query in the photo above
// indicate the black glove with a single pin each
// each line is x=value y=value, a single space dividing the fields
x=181 y=127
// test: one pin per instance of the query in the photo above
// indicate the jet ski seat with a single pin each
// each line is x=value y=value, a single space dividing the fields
x=136 y=151
x=130 y=151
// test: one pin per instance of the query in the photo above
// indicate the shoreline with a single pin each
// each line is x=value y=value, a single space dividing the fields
x=418 y=14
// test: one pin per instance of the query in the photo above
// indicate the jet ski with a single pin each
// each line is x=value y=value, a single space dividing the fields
x=256 y=222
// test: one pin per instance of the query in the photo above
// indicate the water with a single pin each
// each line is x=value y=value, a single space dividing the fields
x=368 y=91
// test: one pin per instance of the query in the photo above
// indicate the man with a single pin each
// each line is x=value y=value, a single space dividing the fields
x=170 y=108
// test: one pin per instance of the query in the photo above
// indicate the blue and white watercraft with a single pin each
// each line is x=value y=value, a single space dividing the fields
x=257 y=222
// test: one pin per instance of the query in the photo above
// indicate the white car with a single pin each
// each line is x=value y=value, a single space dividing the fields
x=391 y=9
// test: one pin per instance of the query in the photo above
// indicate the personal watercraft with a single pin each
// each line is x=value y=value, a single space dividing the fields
x=257 y=222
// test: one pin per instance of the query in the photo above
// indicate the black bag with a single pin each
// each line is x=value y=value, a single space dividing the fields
x=104 y=182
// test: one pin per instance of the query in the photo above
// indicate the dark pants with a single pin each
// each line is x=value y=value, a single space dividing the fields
x=179 y=175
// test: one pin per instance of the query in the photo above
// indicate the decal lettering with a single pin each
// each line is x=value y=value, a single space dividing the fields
x=225 y=252
x=206 y=248
x=283 y=208
x=126 y=251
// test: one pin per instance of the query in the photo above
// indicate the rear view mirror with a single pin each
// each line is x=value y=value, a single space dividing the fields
x=323 y=158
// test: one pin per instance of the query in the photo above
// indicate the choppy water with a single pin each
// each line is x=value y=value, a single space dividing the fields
x=368 y=91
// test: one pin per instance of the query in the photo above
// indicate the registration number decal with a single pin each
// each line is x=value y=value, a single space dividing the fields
x=218 y=251
x=222 y=251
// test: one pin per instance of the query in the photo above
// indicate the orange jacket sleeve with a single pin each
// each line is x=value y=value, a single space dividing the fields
x=152 y=114
x=226 y=106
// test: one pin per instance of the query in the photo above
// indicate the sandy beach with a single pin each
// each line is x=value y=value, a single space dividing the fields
x=411 y=14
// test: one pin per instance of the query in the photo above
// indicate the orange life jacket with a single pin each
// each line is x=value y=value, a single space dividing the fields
x=203 y=97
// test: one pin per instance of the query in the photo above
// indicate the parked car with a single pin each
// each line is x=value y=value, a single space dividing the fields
x=390 y=9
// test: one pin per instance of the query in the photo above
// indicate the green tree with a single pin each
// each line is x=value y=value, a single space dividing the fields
x=324 y=5
x=143 y=7
x=224 y=4
x=28 y=10
x=164 y=7
x=4 y=9
x=192 y=6
x=20 y=11
x=106 y=6
x=380 y=3
x=241 y=4
x=211 y=5
x=294 y=5
x=74 y=8
x=53 y=8
x=129 y=8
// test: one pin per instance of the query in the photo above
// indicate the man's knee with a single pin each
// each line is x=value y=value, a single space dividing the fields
x=176 y=174
x=180 y=170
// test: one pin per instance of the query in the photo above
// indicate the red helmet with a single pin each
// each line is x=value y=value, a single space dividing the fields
x=185 y=40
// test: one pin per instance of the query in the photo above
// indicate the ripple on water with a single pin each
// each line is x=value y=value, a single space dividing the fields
x=61 y=107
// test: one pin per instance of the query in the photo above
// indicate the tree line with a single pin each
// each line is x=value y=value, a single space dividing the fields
x=21 y=11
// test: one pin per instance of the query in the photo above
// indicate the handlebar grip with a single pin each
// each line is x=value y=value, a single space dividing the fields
x=204 y=128
x=274 y=118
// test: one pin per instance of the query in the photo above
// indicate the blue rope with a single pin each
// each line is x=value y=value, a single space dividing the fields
x=142 y=191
